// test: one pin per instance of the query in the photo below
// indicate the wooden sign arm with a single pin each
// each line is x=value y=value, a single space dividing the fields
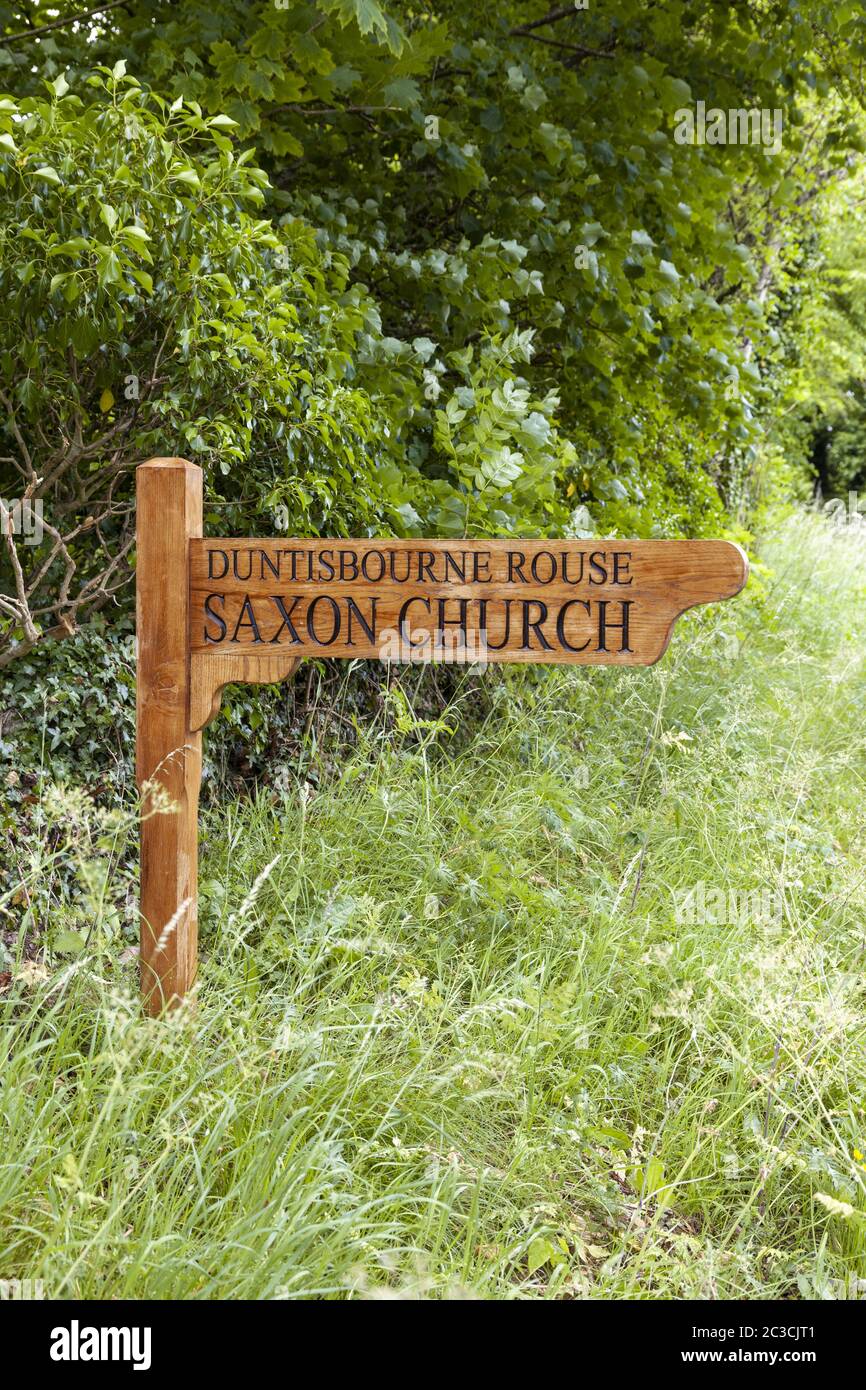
x=721 y=571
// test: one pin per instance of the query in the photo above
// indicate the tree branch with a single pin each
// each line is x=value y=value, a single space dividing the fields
x=578 y=48
x=61 y=23
x=562 y=13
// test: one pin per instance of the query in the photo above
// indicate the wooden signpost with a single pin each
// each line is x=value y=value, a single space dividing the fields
x=214 y=611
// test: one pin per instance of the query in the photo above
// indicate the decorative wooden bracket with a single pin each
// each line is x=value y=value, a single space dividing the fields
x=208 y=675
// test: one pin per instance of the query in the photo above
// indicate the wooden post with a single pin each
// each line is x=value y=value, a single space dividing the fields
x=168 y=754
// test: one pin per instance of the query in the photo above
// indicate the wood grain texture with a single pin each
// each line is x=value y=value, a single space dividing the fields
x=168 y=752
x=209 y=677
x=605 y=602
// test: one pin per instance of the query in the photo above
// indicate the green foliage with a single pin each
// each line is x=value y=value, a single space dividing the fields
x=477 y=284
x=140 y=314
x=822 y=420
x=68 y=713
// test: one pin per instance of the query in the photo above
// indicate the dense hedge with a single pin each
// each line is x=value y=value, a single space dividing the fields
x=455 y=271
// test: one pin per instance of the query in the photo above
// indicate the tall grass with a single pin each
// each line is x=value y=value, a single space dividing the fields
x=450 y=1038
